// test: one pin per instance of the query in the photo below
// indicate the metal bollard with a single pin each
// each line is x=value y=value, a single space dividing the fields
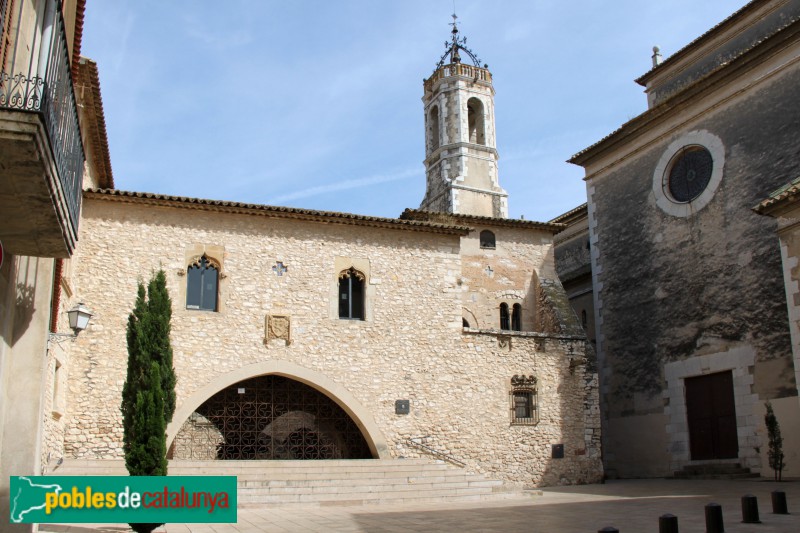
x=608 y=529
x=714 y=518
x=668 y=523
x=750 y=509
x=779 y=502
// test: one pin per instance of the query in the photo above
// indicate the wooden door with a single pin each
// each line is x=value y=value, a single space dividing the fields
x=711 y=415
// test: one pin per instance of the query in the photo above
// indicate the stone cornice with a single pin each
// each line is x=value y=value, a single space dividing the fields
x=325 y=217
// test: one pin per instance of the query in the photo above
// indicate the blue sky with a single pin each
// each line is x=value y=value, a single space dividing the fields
x=317 y=104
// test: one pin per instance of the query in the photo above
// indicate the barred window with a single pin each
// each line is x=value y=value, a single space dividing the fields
x=523 y=405
x=524 y=400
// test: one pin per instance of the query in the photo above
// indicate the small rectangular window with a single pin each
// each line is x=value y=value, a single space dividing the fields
x=524 y=408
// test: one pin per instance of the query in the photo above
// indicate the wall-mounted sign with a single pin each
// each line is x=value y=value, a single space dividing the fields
x=402 y=407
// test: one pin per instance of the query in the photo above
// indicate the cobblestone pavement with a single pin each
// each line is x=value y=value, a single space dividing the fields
x=632 y=506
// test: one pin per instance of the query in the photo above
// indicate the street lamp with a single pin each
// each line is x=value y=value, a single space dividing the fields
x=79 y=317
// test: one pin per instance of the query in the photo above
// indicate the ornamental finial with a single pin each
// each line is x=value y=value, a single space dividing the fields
x=455 y=44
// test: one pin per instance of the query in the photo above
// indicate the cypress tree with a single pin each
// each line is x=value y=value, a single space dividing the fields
x=160 y=313
x=775 y=453
x=148 y=396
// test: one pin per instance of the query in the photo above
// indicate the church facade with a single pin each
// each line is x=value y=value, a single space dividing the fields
x=302 y=334
x=693 y=331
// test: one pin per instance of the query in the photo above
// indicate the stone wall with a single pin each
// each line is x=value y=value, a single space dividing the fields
x=508 y=274
x=412 y=346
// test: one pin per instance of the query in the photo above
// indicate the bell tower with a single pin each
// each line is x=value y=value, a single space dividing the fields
x=460 y=150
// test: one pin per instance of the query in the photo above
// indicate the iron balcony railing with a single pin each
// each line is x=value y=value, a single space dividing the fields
x=51 y=94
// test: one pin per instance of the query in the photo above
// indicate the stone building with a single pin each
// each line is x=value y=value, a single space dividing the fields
x=52 y=144
x=302 y=334
x=782 y=204
x=690 y=302
x=574 y=265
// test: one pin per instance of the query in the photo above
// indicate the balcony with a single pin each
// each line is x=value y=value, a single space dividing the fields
x=41 y=151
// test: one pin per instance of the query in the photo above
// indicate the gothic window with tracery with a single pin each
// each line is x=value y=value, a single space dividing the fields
x=202 y=283
x=351 y=294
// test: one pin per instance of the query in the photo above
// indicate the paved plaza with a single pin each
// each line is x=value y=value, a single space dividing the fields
x=632 y=506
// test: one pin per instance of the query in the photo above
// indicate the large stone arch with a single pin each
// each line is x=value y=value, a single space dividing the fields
x=336 y=392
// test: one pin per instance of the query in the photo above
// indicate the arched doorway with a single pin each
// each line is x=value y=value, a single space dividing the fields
x=269 y=417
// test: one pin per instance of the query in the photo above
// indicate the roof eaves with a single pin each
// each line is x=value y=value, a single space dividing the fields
x=779 y=198
x=562 y=218
x=751 y=6
x=417 y=214
x=77 y=39
x=273 y=211
x=90 y=76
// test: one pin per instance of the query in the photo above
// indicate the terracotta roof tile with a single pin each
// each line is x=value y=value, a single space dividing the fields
x=779 y=198
x=472 y=220
x=88 y=79
x=330 y=217
x=77 y=39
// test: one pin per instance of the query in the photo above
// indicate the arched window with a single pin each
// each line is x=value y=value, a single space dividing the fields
x=202 y=282
x=487 y=239
x=464 y=323
x=504 y=318
x=433 y=123
x=584 y=319
x=351 y=294
x=477 y=132
x=516 y=317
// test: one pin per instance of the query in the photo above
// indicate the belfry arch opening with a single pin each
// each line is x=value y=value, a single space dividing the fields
x=269 y=417
x=475 y=121
x=433 y=128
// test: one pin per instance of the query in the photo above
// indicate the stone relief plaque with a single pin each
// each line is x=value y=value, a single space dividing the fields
x=278 y=327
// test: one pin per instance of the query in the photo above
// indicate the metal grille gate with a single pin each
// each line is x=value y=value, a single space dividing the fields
x=269 y=417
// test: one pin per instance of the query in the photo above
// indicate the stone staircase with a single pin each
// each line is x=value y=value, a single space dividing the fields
x=715 y=471
x=330 y=482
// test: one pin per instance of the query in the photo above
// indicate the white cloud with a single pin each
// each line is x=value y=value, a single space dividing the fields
x=344 y=185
